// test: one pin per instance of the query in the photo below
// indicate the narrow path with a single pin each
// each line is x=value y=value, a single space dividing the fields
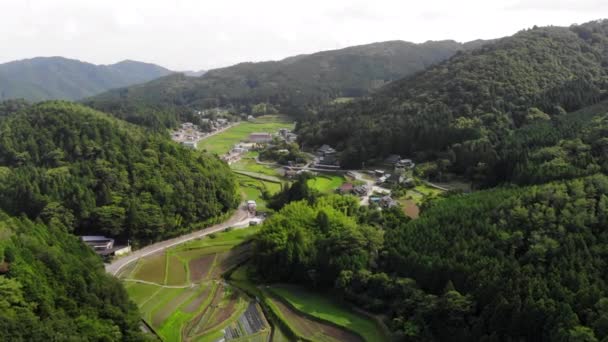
x=159 y=285
x=239 y=219
x=435 y=186
x=259 y=176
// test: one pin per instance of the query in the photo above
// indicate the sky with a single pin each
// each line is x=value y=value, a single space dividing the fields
x=203 y=34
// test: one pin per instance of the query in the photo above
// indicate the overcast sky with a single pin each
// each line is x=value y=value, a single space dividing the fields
x=204 y=34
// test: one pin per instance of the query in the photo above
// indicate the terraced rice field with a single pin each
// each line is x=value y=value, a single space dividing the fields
x=180 y=292
x=310 y=328
x=324 y=308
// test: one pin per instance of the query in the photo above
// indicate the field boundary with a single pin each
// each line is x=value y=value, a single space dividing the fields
x=309 y=316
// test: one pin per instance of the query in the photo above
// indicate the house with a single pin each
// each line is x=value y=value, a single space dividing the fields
x=98 y=242
x=291 y=173
x=291 y=137
x=379 y=173
x=392 y=159
x=190 y=143
x=406 y=163
x=222 y=121
x=388 y=202
x=325 y=150
x=251 y=206
x=260 y=138
x=346 y=188
x=361 y=190
x=382 y=179
x=250 y=118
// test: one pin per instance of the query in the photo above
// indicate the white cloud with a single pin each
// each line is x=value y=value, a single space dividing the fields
x=195 y=34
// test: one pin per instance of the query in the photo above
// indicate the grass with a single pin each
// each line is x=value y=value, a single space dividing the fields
x=171 y=310
x=252 y=189
x=223 y=142
x=326 y=184
x=326 y=309
x=152 y=269
x=250 y=165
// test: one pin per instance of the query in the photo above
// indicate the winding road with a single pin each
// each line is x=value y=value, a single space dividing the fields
x=240 y=219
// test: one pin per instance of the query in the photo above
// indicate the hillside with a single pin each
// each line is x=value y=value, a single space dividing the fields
x=46 y=78
x=461 y=110
x=291 y=85
x=98 y=175
x=507 y=264
x=54 y=288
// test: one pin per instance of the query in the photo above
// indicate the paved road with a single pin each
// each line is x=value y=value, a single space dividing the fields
x=239 y=219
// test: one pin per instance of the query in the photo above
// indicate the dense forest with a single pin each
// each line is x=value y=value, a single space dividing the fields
x=462 y=110
x=58 y=78
x=507 y=264
x=54 y=288
x=291 y=86
x=64 y=162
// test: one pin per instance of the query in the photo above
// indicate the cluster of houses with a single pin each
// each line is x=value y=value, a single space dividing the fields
x=190 y=134
x=359 y=190
x=327 y=157
x=287 y=135
x=216 y=124
x=384 y=201
x=104 y=246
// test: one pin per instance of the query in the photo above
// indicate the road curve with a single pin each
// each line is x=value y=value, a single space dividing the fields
x=240 y=218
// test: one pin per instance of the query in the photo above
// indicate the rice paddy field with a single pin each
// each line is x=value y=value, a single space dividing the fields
x=308 y=315
x=326 y=183
x=324 y=308
x=182 y=296
x=222 y=142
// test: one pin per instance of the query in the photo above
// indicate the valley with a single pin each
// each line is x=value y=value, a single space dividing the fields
x=385 y=192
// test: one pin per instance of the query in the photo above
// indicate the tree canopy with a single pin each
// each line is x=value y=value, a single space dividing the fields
x=62 y=161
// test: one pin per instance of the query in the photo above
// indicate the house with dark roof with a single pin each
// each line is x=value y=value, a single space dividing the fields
x=392 y=159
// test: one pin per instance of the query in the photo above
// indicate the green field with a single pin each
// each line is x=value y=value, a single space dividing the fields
x=325 y=308
x=186 y=299
x=250 y=165
x=252 y=189
x=325 y=183
x=223 y=142
x=305 y=304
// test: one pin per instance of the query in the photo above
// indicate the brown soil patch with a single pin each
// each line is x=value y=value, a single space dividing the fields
x=198 y=301
x=411 y=209
x=198 y=324
x=225 y=312
x=311 y=328
x=199 y=268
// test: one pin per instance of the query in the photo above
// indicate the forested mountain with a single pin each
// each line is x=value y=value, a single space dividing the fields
x=290 y=86
x=46 y=78
x=462 y=110
x=54 y=288
x=95 y=174
x=509 y=264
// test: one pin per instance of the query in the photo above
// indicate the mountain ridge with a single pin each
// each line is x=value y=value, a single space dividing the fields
x=56 y=77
